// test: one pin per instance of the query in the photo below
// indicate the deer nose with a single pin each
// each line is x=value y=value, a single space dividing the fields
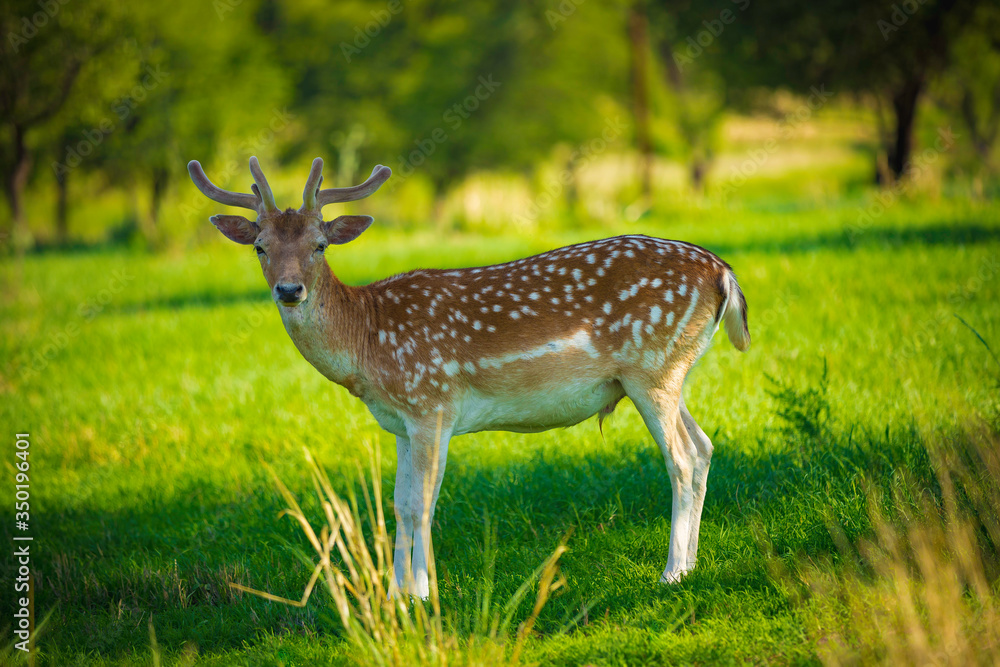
x=290 y=294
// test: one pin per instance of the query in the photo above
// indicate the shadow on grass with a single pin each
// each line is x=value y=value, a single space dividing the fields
x=842 y=240
x=107 y=571
x=942 y=233
x=199 y=299
x=884 y=237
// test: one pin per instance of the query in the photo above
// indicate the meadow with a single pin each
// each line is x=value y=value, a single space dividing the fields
x=159 y=390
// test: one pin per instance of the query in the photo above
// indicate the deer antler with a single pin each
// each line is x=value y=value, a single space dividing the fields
x=261 y=200
x=261 y=188
x=312 y=186
x=313 y=199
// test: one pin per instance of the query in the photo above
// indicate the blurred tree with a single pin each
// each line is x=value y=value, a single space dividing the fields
x=891 y=52
x=970 y=91
x=697 y=94
x=48 y=48
x=444 y=88
x=638 y=36
x=187 y=93
x=77 y=138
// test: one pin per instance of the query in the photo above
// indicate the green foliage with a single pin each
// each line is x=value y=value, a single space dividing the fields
x=806 y=412
x=534 y=99
x=969 y=97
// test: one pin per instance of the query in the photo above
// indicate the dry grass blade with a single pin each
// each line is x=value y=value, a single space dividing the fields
x=925 y=589
x=385 y=626
x=551 y=581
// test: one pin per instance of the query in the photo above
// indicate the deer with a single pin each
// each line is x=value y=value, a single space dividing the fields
x=526 y=346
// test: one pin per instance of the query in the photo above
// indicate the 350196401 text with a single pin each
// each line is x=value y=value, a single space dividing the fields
x=23 y=616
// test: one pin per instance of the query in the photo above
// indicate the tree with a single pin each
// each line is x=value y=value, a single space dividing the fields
x=186 y=94
x=638 y=36
x=891 y=52
x=48 y=47
x=970 y=92
x=445 y=89
x=696 y=92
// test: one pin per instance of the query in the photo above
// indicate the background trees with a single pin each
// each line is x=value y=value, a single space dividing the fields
x=890 y=53
x=49 y=48
x=443 y=91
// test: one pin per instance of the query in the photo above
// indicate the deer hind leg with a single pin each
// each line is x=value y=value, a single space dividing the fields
x=659 y=408
x=700 y=478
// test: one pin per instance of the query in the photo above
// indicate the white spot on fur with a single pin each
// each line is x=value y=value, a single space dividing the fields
x=637 y=332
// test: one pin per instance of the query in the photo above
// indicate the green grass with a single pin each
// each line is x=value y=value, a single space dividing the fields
x=155 y=387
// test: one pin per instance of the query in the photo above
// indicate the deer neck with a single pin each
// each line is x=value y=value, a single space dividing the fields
x=327 y=330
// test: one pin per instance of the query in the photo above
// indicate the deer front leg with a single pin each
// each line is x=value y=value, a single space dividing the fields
x=428 y=455
x=404 y=516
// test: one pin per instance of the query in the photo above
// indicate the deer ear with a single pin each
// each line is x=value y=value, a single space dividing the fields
x=236 y=228
x=346 y=228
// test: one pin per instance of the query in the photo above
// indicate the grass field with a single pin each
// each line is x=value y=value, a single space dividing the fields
x=156 y=388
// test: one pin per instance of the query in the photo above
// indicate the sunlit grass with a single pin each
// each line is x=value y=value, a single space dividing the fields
x=152 y=413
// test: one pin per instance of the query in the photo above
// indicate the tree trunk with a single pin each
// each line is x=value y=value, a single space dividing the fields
x=698 y=169
x=149 y=218
x=14 y=184
x=161 y=178
x=62 y=208
x=982 y=132
x=904 y=107
x=639 y=42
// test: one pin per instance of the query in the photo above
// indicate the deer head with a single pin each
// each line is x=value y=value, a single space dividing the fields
x=290 y=244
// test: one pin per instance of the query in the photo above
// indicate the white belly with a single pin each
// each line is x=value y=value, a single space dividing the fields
x=537 y=408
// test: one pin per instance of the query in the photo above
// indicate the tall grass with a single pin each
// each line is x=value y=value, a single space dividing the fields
x=924 y=586
x=384 y=625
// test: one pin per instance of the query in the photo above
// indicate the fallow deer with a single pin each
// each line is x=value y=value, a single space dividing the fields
x=529 y=345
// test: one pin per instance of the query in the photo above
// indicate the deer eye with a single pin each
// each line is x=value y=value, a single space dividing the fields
x=260 y=251
x=320 y=248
